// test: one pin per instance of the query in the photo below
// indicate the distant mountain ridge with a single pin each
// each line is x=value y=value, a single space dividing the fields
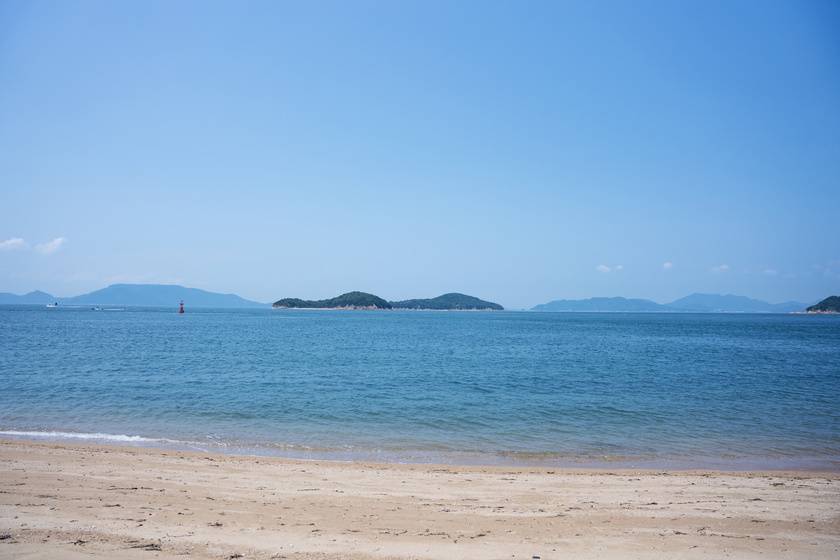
x=602 y=304
x=32 y=297
x=713 y=303
x=152 y=295
x=695 y=303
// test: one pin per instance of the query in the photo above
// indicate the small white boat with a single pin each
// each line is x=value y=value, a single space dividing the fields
x=52 y=304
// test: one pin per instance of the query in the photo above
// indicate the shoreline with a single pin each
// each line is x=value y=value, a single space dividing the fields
x=74 y=500
x=451 y=458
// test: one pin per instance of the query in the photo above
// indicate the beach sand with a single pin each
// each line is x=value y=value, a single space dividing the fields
x=75 y=501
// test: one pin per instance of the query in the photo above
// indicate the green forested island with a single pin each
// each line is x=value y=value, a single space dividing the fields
x=351 y=300
x=362 y=300
x=830 y=304
x=449 y=302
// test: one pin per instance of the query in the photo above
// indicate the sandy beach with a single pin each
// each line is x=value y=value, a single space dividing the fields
x=75 y=501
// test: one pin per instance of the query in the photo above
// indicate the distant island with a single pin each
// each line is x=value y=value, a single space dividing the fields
x=351 y=300
x=152 y=295
x=602 y=304
x=714 y=303
x=449 y=302
x=362 y=300
x=167 y=295
x=695 y=303
x=830 y=305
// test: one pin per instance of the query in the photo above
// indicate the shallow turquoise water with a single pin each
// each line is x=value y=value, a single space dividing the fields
x=735 y=391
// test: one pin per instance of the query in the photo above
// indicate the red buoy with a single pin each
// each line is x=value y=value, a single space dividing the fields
x=182 y=307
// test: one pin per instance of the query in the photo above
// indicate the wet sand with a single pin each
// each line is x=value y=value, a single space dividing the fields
x=77 y=501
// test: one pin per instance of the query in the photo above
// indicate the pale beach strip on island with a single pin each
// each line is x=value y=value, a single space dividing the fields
x=77 y=501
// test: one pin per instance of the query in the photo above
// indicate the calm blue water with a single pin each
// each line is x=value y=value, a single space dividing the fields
x=682 y=390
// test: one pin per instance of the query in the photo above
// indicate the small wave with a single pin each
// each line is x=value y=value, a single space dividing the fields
x=80 y=436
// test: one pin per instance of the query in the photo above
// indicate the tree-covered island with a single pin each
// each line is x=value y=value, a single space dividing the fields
x=449 y=302
x=351 y=300
x=830 y=304
x=362 y=300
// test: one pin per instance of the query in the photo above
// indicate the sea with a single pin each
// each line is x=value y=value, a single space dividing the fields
x=588 y=390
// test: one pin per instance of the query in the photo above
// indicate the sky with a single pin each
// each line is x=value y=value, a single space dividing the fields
x=520 y=152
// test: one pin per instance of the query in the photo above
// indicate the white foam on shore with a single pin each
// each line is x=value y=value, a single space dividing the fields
x=352 y=454
x=52 y=435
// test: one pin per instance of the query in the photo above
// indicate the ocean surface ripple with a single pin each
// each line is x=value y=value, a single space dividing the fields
x=576 y=389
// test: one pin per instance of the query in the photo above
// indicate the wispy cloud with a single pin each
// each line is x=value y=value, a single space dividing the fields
x=720 y=269
x=606 y=269
x=667 y=266
x=52 y=247
x=44 y=248
x=13 y=243
x=829 y=270
x=770 y=272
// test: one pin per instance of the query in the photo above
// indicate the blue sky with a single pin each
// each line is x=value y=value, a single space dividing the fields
x=520 y=152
